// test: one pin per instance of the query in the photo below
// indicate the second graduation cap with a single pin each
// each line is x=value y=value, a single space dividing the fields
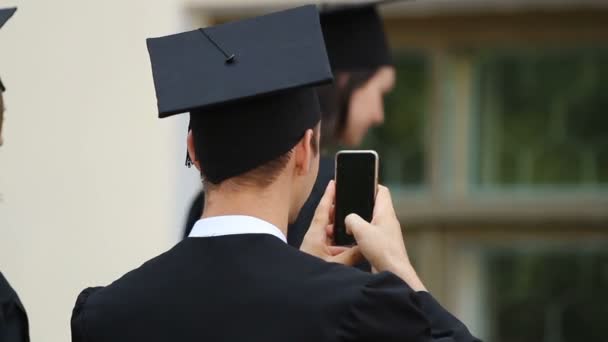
x=5 y=15
x=248 y=86
x=355 y=37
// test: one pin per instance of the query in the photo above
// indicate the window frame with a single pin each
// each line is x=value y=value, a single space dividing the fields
x=452 y=193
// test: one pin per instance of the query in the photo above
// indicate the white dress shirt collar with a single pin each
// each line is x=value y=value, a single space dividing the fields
x=234 y=225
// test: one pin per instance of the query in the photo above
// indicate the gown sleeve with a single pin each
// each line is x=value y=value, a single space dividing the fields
x=78 y=322
x=385 y=309
x=444 y=326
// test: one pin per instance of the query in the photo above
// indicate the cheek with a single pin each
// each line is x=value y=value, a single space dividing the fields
x=360 y=110
x=369 y=113
x=380 y=105
x=315 y=164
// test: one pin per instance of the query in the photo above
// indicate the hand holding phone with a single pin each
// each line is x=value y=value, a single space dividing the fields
x=381 y=241
x=356 y=187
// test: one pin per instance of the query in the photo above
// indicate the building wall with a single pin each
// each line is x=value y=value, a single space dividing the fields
x=88 y=174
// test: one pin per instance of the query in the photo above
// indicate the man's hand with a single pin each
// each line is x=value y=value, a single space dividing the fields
x=381 y=241
x=317 y=240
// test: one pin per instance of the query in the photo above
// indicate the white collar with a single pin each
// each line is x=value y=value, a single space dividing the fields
x=234 y=225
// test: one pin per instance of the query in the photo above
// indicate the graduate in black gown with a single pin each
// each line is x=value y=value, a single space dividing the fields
x=255 y=117
x=360 y=59
x=13 y=318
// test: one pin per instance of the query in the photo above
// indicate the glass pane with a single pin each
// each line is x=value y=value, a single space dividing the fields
x=400 y=140
x=548 y=295
x=542 y=118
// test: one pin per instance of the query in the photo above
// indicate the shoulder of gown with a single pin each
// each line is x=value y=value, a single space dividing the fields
x=78 y=321
x=13 y=317
x=444 y=326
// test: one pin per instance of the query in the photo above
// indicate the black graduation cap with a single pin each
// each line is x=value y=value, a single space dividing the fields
x=248 y=86
x=354 y=36
x=5 y=15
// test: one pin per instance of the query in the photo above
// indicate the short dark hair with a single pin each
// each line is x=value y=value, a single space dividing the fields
x=265 y=174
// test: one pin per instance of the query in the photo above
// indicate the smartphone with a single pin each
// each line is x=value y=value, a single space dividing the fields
x=356 y=187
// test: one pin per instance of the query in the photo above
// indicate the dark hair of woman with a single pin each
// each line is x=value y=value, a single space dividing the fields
x=334 y=99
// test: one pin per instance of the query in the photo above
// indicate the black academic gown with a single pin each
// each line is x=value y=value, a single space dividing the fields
x=250 y=288
x=442 y=322
x=13 y=319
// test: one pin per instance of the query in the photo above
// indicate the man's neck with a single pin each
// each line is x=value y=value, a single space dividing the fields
x=270 y=204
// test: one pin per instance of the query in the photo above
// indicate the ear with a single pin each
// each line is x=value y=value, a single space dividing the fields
x=304 y=153
x=192 y=150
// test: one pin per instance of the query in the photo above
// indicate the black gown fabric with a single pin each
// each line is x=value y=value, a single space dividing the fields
x=249 y=287
x=13 y=318
x=444 y=326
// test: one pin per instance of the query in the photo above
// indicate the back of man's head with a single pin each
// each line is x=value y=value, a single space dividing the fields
x=266 y=174
x=253 y=107
x=296 y=169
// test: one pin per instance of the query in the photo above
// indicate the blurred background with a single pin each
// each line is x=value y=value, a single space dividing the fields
x=495 y=145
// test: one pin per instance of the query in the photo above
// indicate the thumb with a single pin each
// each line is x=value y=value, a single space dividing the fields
x=322 y=214
x=355 y=225
x=335 y=250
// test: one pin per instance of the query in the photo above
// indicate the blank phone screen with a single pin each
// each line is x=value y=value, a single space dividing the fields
x=355 y=191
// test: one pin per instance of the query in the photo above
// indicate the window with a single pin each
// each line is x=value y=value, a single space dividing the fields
x=509 y=141
x=547 y=292
x=542 y=118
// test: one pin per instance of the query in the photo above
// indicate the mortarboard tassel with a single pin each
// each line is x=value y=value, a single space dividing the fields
x=188 y=160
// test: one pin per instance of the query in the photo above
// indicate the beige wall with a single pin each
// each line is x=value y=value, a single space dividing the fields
x=88 y=174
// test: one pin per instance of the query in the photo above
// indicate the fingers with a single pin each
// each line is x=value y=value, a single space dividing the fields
x=327 y=201
x=329 y=231
x=349 y=257
x=323 y=212
x=384 y=204
x=355 y=225
x=335 y=250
